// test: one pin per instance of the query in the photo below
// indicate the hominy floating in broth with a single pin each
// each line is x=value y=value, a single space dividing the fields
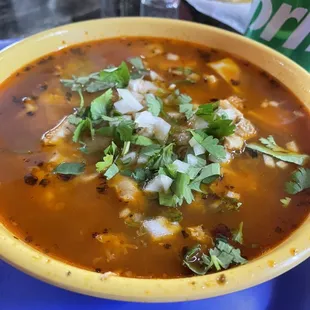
x=151 y=158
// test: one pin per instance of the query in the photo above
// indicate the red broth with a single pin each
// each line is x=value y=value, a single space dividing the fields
x=78 y=219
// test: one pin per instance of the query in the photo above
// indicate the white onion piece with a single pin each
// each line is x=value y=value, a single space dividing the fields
x=161 y=183
x=173 y=57
x=181 y=166
x=128 y=103
x=142 y=87
x=198 y=149
x=160 y=227
x=199 y=123
x=161 y=129
x=130 y=156
x=145 y=119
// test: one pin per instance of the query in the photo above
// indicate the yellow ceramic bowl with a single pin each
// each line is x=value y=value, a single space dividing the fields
x=287 y=255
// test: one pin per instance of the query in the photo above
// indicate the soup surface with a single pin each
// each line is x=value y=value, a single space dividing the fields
x=151 y=158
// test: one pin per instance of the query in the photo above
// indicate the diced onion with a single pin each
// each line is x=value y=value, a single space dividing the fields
x=233 y=195
x=159 y=184
x=124 y=213
x=198 y=149
x=142 y=159
x=269 y=161
x=199 y=123
x=172 y=57
x=161 y=129
x=192 y=160
x=281 y=164
x=145 y=119
x=142 y=87
x=292 y=146
x=154 y=76
x=131 y=157
x=128 y=103
x=160 y=227
x=181 y=166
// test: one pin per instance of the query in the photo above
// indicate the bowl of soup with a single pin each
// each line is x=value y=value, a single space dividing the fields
x=152 y=160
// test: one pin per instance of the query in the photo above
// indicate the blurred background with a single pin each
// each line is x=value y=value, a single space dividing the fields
x=20 y=18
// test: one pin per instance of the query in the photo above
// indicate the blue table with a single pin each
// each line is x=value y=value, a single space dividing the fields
x=19 y=291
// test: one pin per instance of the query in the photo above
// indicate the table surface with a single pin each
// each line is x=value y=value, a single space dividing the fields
x=20 y=291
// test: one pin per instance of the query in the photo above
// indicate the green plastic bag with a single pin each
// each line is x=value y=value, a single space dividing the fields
x=284 y=26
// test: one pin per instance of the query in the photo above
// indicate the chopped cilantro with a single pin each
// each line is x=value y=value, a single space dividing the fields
x=154 y=104
x=74 y=120
x=125 y=130
x=97 y=81
x=141 y=140
x=70 y=168
x=137 y=63
x=271 y=148
x=220 y=128
x=81 y=127
x=210 y=144
x=162 y=158
x=106 y=163
x=101 y=105
x=185 y=105
x=111 y=172
x=221 y=256
x=150 y=150
x=300 y=180
x=206 y=111
x=181 y=188
x=168 y=199
x=138 y=68
x=116 y=77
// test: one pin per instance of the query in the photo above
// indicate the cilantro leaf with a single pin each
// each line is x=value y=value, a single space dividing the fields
x=111 y=172
x=206 y=111
x=141 y=140
x=137 y=63
x=81 y=127
x=221 y=256
x=106 y=163
x=101 y=105
x=150 y=150
x=238 y=234
x=271 y=148
x=116 y=77
x=300 y=181
x=220 y=128
x=70 y=168
x=106 y=131
x=154 y=104
x=193 y=260
x=168 y=199
x=185 y=105
x=138 y=66
x=162 y=158
x=210 y=144
x=97 y=81
x=207 y=175
x=74 y=120
x=125 y=130
x=270 y=143
x=181 y=188
x=111 y=149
